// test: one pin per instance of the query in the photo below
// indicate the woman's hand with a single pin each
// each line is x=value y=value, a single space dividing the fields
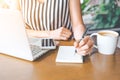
x=60 y=34
x=84 y=47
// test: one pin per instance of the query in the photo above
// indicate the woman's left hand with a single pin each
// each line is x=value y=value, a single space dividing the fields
x=84 y=47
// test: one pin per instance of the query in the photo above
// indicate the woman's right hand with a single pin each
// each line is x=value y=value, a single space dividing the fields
x=60 y=34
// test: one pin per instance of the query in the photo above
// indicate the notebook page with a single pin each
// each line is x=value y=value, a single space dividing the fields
x=66 y=54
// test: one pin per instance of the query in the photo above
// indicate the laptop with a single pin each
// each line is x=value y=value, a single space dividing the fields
x=14 y=40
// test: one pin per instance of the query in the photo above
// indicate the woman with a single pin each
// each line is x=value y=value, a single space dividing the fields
x=57 y=19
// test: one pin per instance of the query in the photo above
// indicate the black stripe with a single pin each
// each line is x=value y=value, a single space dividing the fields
x=49 y=42
x=58 y=14
x=67 y=16
x=42 y=42
x=52 y=43
x=50 y=14
x=67 y=19
x=65 y=12
x=69 y=25
x=62 y=12
x=54 y=15
x=46 y=42
x=46 y=14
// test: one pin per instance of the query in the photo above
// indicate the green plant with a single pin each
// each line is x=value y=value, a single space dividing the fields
x=84 y=4
x=108 y=15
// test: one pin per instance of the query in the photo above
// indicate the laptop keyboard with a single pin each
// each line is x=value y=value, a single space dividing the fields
x=47 y=42
x=35 y=49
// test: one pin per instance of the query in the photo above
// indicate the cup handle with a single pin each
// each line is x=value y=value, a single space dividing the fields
x=94 y=34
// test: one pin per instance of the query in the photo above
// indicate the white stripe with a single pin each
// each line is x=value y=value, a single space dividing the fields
x=29 y=11
x=44 y=16
x=36 y=16
x=25 y=9
x=66 y=15
x=60 y=7
x=68 y=22
x=32 y=16
x=48 y=20
x=56 y=7
x=22 y=7
x=41 y=22
x=52 y=7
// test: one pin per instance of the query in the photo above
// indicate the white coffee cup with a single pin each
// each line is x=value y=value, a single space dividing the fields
x=106 y=41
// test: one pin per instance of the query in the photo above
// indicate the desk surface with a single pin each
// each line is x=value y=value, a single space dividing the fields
x=95 y=67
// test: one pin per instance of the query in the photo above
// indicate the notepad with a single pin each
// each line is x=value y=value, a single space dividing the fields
x=66 y=54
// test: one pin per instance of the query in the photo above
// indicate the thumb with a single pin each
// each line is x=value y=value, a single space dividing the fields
x=76 y=44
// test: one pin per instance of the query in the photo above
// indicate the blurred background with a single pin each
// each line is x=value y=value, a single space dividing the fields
x=101 y=14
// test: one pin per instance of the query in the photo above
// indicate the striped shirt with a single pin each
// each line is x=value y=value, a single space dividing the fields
x=50 y=15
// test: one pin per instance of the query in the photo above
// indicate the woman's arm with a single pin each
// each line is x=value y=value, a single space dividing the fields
x=85 y=45
x=58 y=34
x=76 y=18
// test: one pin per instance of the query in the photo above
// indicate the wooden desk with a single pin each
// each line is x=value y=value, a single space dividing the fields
x=95 y=67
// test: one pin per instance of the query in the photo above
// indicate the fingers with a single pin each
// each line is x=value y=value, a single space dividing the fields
x=65 y=33
x=85 y=52
x=65 y=36
x=85 y=46
x=86 y=43
x=57 y=43
x=61 y=34
x=76 y=44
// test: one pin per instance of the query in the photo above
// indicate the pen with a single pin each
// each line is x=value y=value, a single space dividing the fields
x=83 y=36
